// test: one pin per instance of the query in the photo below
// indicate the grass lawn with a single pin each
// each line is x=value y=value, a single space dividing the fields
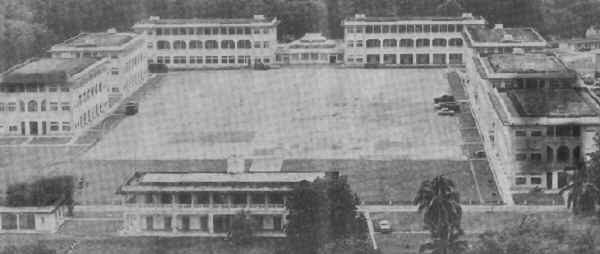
x=155 y=245
x=289 y=113
x=486 y=181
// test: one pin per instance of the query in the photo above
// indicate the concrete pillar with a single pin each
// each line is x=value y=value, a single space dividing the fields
x=193 y=197
x=174 y=223
x=266 y=198
x=210 y=199
x=18 y=221
x=555 y=180
x=173 y=202
x=211 y=225
x=248 y=199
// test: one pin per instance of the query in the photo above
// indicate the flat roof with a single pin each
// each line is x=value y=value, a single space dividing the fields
x=525 y=63
x=412 y=18
x=104 y=39
x=551 y=103
x=250 y=177
x=205 y=21
x=504 y=35
x=47 y=70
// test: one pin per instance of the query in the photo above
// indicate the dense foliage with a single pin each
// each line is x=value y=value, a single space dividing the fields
x=323 y=218
x=440 y=203
x=242 y=228
x=42 y=192
x=30 y=27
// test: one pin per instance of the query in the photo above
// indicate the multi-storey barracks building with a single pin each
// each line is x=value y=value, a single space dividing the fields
x=406 y=41
x=210 y=43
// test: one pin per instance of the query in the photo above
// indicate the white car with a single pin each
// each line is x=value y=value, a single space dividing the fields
x=383 y=226
x=446 y=112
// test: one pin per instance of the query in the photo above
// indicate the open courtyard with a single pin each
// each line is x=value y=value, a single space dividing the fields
x=289 y=113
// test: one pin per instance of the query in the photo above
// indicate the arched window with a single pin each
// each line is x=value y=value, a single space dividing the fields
x=22 y=106
x=422 y=43
x=211 y=44
x=456 y=42
x=179 y=45
x=195 y=44
x=390 y=43
x=373 y=43
x=43 y=105
x=32 y=106
x=549 y=154
x=163 y=45
x=407 y=43
x=562 y=154
x=576 y=154
x=439 y=42
x=227 y=44
x=244 y=44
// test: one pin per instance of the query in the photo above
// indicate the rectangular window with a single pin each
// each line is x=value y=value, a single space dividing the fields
x=66 y=126
x=536 y=180
x=223 y=59
x=13 y=128
x=12 y=106
x=521 y=156
x=536 y=156
x=520 y=180
x=359 y=29
x=455 y=58
x=376 y=29
x=53 y=106
x=443 y=28
x=359 y=43
x=536 y=133
x=231 y=59
x=257 y=44
x=65 y=106
x=54 y=126
x=520 y=133
x=427 y=28
x=402 y=29
x=266 y=44
x=53 y=88
x=386 y=29
x=410 y=28
x=418 y=28
x=435 y=28
x=394 y=29
x=223 y=30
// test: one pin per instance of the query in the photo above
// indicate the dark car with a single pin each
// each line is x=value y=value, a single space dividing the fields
x=449 y=105
x=261 y=66
x=131 y=108
x=479 y=154
x=443 y=98
x=158 y=68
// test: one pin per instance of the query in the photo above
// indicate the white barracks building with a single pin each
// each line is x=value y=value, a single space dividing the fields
x=203 y=203
x=127 y=54
x=209 y=43
x=406 y=41
x=53 y=96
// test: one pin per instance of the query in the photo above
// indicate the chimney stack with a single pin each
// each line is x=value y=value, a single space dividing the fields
x=499 y=26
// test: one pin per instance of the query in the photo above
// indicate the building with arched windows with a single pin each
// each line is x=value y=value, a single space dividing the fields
x=125 y=51
x=406 y=41
x=209 y=43
x=53 y=96
x=534 y=117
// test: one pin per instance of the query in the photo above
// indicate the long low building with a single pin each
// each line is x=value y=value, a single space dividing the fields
x=34 y=219
x=534 y=117
x=500 y=39
x=312 y=48
x=406 y=41
x=204 y=203
x=53 y=96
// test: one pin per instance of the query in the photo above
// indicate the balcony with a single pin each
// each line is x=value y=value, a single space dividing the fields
x=205 y=206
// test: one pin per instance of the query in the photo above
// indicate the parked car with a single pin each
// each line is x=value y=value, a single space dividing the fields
x=588 y=79
x=479 y=154
x=383 y=226
x=261 y=66
x=443 y=98
x=131 y=108
x=158 y=68
x=446 y=112
x=449 y=105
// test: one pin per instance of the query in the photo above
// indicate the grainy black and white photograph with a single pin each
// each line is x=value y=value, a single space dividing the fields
x=299 y=126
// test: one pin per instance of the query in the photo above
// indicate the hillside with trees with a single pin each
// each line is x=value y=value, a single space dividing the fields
x=30 y=27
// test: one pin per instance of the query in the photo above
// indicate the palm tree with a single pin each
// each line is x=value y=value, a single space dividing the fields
x=440 y=202
x=583 y=193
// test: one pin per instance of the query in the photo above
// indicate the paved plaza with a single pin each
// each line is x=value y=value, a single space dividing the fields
x=289 y=113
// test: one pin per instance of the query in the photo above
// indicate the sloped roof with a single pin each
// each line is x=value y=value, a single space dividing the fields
x=498 y=35
x=104 y=39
